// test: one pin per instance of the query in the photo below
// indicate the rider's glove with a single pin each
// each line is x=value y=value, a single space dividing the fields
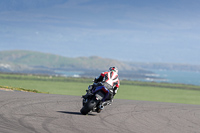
x=95 y=80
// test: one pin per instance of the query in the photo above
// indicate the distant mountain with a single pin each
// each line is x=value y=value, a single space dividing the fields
x=166 y=66
x=21 y=61
x=18 y=60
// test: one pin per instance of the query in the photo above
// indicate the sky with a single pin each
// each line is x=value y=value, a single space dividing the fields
x=154 y=31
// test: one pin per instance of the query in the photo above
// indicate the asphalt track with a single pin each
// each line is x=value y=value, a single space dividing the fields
x=23 y=112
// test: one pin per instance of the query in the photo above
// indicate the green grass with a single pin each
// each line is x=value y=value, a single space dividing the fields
x=146 y=91
x=52 y=87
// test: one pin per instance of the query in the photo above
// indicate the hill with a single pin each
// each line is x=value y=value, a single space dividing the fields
x=166 y=66
x=46 y=60
x=21 y=61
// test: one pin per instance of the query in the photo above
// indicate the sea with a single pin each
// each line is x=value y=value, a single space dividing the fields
x=69 y=73
x=169 y=76
x=181 y=77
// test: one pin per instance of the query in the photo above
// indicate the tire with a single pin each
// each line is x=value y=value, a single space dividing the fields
x=88 y=107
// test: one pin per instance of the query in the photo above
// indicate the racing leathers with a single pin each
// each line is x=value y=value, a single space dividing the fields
x=110 y=80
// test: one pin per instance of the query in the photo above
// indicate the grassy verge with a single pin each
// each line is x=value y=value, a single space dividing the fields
x=19 y=89
x=133 y=90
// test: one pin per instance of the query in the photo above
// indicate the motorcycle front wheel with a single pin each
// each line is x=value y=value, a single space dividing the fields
x=88 y=107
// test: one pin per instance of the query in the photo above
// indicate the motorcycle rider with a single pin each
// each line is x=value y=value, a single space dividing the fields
x=110 y=80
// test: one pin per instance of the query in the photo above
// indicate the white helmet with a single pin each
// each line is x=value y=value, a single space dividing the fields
x=113 y=69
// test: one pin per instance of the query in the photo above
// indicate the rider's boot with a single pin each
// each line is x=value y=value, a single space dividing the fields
x=108 y=102
x=102 y=105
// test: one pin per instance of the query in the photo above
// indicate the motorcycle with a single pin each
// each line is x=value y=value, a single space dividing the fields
x=94 y=99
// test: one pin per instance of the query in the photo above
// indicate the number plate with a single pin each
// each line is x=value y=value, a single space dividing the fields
x=99 y=95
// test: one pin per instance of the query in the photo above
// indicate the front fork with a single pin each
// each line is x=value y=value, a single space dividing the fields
x=84 y=101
